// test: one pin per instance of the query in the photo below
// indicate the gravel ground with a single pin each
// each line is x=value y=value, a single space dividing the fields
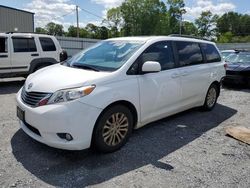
x=189 y=149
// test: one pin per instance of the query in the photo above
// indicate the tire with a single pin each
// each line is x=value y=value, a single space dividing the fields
x=109 y=135
x=211 y=98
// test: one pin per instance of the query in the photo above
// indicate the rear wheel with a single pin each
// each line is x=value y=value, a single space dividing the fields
x=211 y=97
x=113 y=129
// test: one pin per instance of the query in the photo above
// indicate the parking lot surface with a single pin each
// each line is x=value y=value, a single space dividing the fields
x=189 y=149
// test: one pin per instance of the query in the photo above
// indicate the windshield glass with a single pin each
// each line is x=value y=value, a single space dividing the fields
x=105 y=55
x=239 y=58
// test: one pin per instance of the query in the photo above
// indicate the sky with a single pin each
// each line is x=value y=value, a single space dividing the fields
x=93 y=11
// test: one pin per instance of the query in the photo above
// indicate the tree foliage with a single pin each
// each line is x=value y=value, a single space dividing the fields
x=159 y=17
x=206 y=24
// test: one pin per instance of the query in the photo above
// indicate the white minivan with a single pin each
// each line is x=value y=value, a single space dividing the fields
x=100 y=95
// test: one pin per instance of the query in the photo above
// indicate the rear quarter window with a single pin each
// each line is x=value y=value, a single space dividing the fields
x=211 y=53
x=47 y=44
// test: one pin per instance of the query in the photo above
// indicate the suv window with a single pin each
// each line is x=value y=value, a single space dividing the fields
x=47 y=44
x=160 y=52
x=211 y=53
x=24 y=44
x=189 y=53
x=3 y=45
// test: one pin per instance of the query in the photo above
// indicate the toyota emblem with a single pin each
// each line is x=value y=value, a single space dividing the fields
x=30 y=86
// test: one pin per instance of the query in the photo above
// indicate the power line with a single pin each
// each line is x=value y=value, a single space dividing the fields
x=93 y=14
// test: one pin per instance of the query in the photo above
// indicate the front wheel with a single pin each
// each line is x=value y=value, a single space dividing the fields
x=113 y=129
x=211 y=97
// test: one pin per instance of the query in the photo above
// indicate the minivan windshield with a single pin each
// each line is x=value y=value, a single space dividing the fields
x=105 y=56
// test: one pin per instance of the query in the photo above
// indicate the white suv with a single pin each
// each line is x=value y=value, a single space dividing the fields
x=24 y=53
x=101 y=94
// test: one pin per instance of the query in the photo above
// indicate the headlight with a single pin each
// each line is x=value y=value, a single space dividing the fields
x=70 y=94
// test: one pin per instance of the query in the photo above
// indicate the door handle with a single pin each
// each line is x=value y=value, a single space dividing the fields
x=3 y=56
x=175 y=75
x=34 y=55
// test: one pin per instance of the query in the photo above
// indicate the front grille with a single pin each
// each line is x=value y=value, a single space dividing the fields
x=33 y=98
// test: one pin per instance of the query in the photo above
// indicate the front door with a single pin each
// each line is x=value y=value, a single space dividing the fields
x=5 y=66
x=159 y=92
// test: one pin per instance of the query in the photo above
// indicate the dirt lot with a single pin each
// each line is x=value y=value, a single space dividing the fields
x=186 y=150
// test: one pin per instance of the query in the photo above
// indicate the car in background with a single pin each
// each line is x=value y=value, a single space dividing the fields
x=226 y=53
x=24 y=53
x=238 y=69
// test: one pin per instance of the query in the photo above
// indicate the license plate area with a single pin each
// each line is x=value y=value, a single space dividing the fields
x=20 y=114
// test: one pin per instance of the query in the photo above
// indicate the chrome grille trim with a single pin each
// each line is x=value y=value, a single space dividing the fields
x=33 y=98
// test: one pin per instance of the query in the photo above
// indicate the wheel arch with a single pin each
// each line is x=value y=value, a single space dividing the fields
x=39 y=62
x=125 y=103
x=217 y=85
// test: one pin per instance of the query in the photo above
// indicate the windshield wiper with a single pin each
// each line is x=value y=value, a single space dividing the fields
x=84 y=66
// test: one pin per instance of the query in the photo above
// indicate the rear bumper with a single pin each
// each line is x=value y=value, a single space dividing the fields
x=235 y=79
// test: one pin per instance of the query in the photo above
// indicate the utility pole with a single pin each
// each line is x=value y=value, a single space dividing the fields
x=77 y=22
x=180 y=24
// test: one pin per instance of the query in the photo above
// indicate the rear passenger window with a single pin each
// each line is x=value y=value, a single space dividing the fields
x=189 y=53
x=211 y=53
x=24 y=44
x=47 y=44
x=160 y=52
x=3 y=45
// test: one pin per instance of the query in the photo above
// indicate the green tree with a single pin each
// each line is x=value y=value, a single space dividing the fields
x=141 y=17
x=54 y=29
x=40 y=30
x=176 y=10
x=229 y=22
x=188 y=28
x=206 y=24
x=114 y=21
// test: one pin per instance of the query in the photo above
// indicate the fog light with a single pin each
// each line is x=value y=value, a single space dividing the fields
x=68 y=137
x=65 y=136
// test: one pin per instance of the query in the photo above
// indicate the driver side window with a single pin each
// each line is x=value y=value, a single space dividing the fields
x=160 y=52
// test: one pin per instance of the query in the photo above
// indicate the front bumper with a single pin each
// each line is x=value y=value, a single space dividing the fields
x=43 y=123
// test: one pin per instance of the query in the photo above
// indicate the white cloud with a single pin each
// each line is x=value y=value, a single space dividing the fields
x=50 y=11
x=108 y=3
x=207 y=5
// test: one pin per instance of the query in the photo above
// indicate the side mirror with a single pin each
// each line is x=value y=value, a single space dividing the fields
x=63 y=56
x=151 y=66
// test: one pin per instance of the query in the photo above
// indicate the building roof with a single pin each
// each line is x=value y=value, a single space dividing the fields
x=17 y=9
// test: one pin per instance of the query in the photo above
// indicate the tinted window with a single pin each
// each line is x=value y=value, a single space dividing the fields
x=189 y=53
x=3 y=45
x=47 y=44
x=24 y=44
x=212 y=55
x=160 y=52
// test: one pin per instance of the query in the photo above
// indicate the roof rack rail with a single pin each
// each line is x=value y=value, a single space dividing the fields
x=11 y=32
x=188 y=36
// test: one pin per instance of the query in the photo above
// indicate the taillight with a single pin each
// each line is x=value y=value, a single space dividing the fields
x=225 y=66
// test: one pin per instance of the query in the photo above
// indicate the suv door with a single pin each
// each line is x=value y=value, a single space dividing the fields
x=194 y=72
x=24 y=51
x=5 y=66
x=159 y=92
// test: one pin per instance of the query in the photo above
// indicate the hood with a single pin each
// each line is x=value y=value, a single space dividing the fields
x=238 y=66
x=57 y=77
